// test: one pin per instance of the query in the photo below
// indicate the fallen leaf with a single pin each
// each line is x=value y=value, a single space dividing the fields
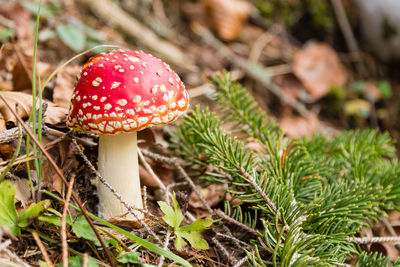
x=20 y=17
x=228 y=16
x=299 y=126
x=64 y=86
x=22 y=102
x=212 y=195
x=22 y=191
x=318 y=67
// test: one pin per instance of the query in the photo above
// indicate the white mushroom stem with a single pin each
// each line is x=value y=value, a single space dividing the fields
x=118 y=164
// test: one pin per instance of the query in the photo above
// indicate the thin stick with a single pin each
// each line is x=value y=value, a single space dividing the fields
x=64 y=223
x=241 y=262
x=369 y=240
x=42 y=249
x=150 y=170
x=195 y=189
x=348 y=35
x=166 y=242
x=233 y=221
x=252 y=182
x=15 y=155
x=221 y=248
x=60 y=174
x=85 y=260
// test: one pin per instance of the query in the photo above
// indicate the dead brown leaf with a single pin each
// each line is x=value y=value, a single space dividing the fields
x=228 y=16
x=318 y=68
x=212 y=194
x=64 y=87
x=18 y=60
x=23 y=106
x=299 y=126
x=22 y=191
x=20 y=18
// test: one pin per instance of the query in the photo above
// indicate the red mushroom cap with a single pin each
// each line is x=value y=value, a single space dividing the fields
x=125 y=91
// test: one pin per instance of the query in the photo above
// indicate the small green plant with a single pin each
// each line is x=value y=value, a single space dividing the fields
x=192 y=232
x=8 y=213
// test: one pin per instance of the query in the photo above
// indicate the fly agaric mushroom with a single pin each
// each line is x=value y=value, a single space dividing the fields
x=119 y=93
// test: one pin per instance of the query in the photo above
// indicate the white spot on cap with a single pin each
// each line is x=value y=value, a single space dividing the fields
x=154 y=88
x=131 y=67
x=142 y=120
x=137 y=99
x=156 y=120
x=118 y=109
x=107 y=106
x=162 y=108
x=133 y=59
x=96 y=108
x=181 y=103
x=171 y=81
x=89 y=115
x=115 y=85
x=144 y=64
x=130 y=112
x=147 y=111
x=109 y=129
x=126 y=127
x=97 y=81
x=101 y=126
x=136 y=80
x=117 y=67
x=94 y=97
x=138 y=109
x=113 y=115
x=121 y=70
x=121 y=115
x=165 y=97
x=122 y=102
x=159 y=72
x=85 y=73
x=165 y=118
x=101 y=65
x=78 y=98
x=130 y=120
x=163 y=88
x=84 y=105
x=173 y=105
x=84 y=97
x=103 y=98
x=93 y=125
x=146 y=102
x=80 y=112
x=170 y=94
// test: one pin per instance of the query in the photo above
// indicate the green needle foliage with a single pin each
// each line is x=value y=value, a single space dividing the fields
x=304 y=197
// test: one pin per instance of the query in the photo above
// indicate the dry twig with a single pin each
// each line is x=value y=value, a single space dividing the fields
x=64 y=223
x=42 y=249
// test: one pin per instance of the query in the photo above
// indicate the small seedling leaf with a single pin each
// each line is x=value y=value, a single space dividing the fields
x=173 y=216
x=8 y=213
x=179 y=242
x=77 y=261
x=194 y=239
x=130 y=257
x=82 y=229
x=198 y=225
x=32 y=211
